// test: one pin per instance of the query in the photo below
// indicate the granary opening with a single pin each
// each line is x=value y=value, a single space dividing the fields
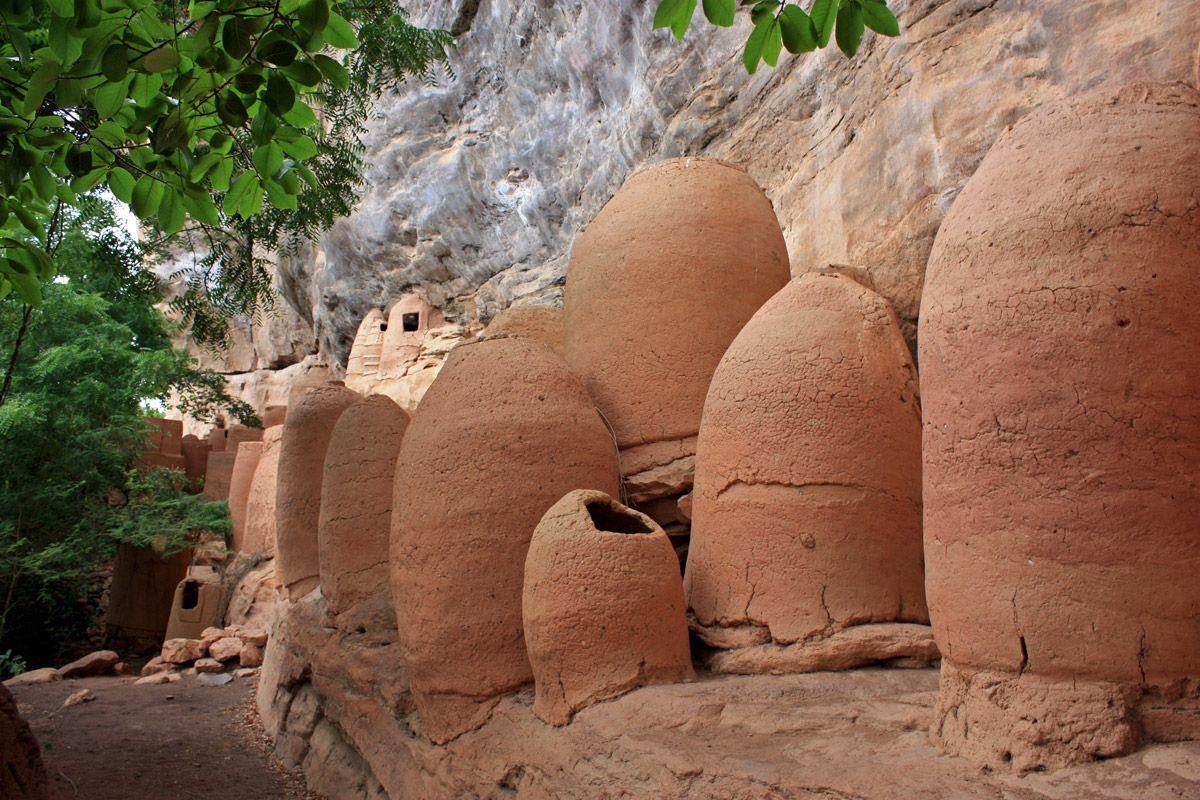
x=612 y=520
x=411 y=321
x=191 y=595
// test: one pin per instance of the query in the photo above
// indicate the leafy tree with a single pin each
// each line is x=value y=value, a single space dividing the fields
x=96 y=349
x=236 y=123
x=783 y=25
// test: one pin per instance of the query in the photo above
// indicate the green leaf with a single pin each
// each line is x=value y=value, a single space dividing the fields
x=773 y=44
x=280 y=96
x=276 y=50
x=763 y=10
x=268 y=159
x=171 y=214
x=849 y=28
x=796 y=27
x=39 y=85
x=62 y=8
x=27 y=286
x=237 y=193
x=683 y=19
x=720 y=12
x=754 y=45
x=304 y=73
x=222 y=172
x=202 y=209
x=668 y=10
x=147 y=195
x=339 y=33
x=333 y=70
x=301 y=148
x=237 y=37
x=314 y=16
x=231 y=109
x=279 y=197
x=824 y=14
x=301 y=115
x=115 y=62
x=121 y=183
x=161 y=60
x=110 y=97
x=200 y=10
x=880 y=18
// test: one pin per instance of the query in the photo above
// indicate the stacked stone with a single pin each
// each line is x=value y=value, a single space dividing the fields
x=504 y=432
x=1059 y=335
x=806 y=532
x=232 y=651
x=658 y=285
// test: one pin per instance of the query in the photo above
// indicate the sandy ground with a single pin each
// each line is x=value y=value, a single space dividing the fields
x=182 y=741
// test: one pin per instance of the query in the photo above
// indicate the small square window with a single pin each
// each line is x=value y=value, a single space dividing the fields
x=411 y=322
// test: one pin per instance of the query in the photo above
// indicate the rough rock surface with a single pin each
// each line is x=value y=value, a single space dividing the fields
x=23 y=775
x=100 y=662
x=505 y=431
x=242 y=478
x=301 y=471
x=1059 y=336
x=469 y=199
x=335 y=697
x=43 y=675
x=260 y=503
x=356 y=501
x=806 y=513
x=182 y=651
x=602 y=607
x=659 y=284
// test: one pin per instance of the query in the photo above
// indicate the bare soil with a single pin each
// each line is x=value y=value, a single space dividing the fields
x=183 y=741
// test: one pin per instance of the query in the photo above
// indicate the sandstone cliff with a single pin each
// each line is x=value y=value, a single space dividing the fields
x=476 y=187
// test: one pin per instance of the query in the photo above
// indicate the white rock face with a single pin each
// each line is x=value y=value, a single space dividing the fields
x=477 y=187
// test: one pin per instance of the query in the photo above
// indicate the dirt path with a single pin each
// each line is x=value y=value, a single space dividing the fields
x=179 y=740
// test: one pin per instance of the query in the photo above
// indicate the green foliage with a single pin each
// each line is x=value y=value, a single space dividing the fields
x=783 y=25
x=11 y=664
x=94 y=350
x=161 y=513
x=202 y=117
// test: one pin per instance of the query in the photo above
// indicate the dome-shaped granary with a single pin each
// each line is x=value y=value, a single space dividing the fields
x=540 y=323
x=603 y=605
x=504 y=432
x=306 y=434
x=259 y=534
x=806 y=514
x=244 y=466
x=356 y=501
x=659 y=284
x=1060 y=349
x=362 y=367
